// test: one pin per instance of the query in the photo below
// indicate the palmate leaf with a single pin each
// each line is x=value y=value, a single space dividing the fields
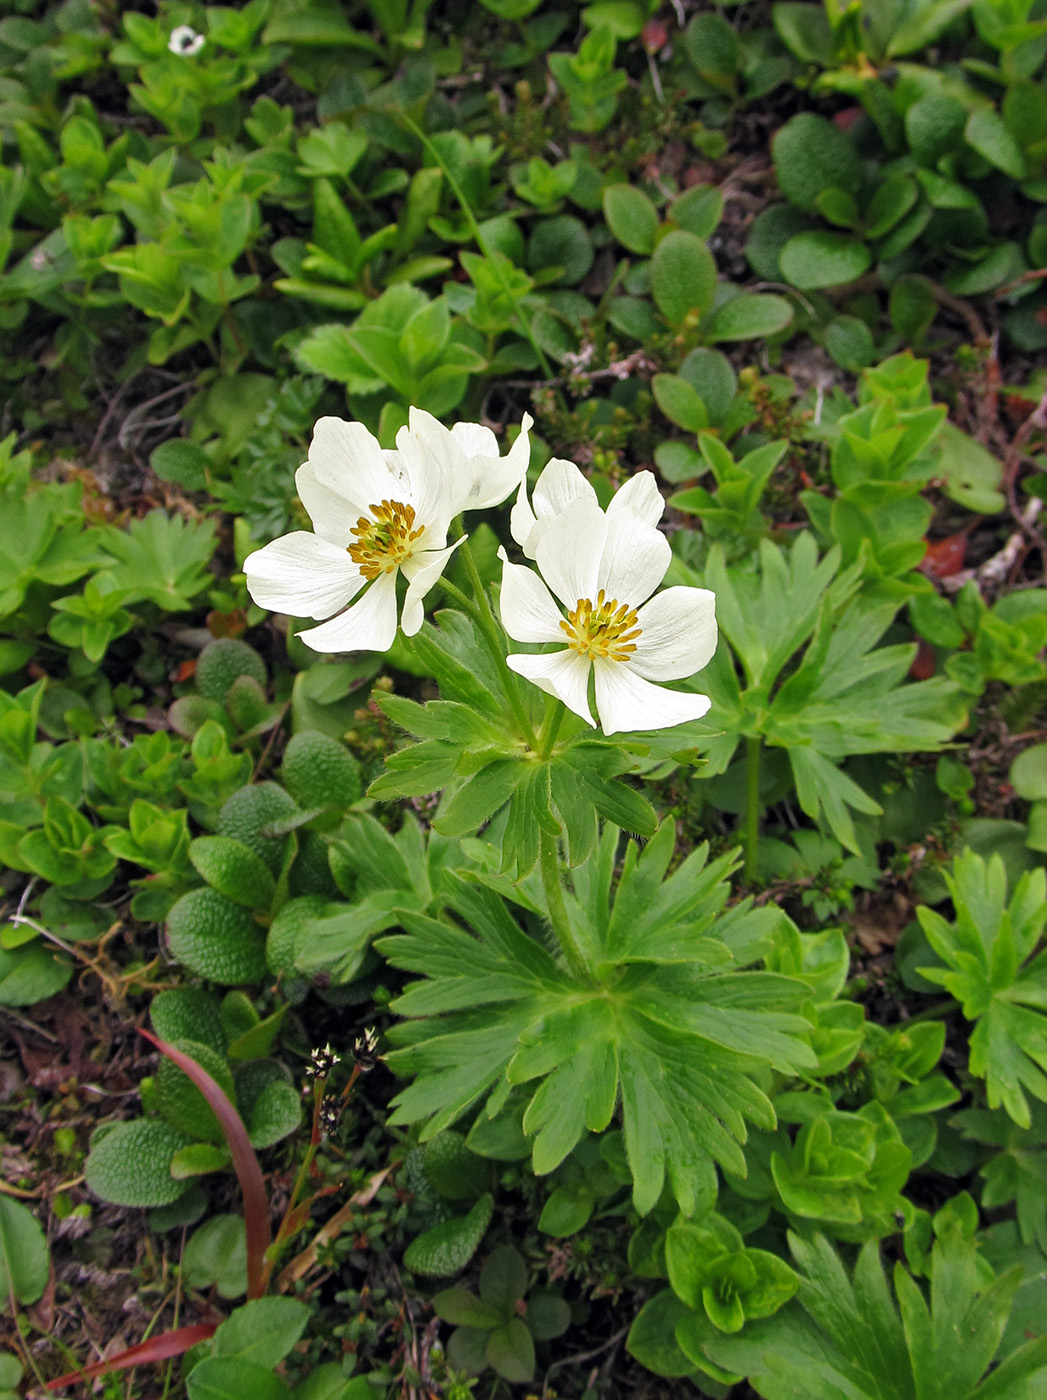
x=664 y=1023
x=847 y=1337
x=815 y=681
x=471 y=745
x=985 y=951
x=162 y=559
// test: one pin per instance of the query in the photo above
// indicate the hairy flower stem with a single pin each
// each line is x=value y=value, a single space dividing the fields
x=550 y=863
x=496 y=646
x=752 y=808
x=555 y=712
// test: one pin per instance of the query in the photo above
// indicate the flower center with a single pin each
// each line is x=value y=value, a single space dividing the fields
x=602 y=628
x=384 y=542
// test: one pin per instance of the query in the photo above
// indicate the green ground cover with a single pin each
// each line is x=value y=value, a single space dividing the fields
x=378 y=1021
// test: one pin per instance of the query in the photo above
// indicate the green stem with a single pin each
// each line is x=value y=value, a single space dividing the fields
x=940 y=1009
x=752 y=807
x=466 y=604
x=558 y=917
x=489 y=630
x=551 y=728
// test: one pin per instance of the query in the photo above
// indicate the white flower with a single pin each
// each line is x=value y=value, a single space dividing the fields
x=603 y=569
x=469 y=453
x=376 y=514
x=185 y=41
x=560 y=484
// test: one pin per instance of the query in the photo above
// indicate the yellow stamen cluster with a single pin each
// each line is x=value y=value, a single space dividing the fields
x=384 y=542
x=602 y=628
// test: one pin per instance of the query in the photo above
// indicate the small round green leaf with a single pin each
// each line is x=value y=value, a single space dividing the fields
x=812 y=154
x=771 y=231
x=561 y=242
x=319 y=771
x=652 y=1337
x=233 y=1378
x=698 y=210
x=24 y=1261
x=263 y=1330
x=712 y=44
x=188 y=1013
x=453 y=1171
x=850 y=343
x=816 y=259
x=250 y=816
x=711 y=373
x=447 y=1248
x=503 y=1281
x=988 y=133
x=182 y=462
x=683 y=276
x=181 y=1102
x=216 y=1256
x=234 y=870
x=222 y=662
x=275 y=1114
x=747 y=317
x=1028 y=774
x=631 y=217
x=510 y=1351
x=130 y=1163
x=216 y=939
x=548 y=1316
x=680 y=402
x=465 y=1309
x=289 y=930
x=31 y=973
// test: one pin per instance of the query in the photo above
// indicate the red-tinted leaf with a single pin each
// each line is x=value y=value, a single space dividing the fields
x=847 y=117
x=160 y=1348
x=227 y=624
x=945 y=557
x=245 y=1163
x=922 y=668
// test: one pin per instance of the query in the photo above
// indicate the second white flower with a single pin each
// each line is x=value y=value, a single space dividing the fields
x=604 y=569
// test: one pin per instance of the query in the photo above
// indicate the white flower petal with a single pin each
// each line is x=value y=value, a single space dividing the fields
x=677 y=634
x=640 y=494
x=569 y=550
x=564 y=674
x=559 y=485
x=484 y=478
x=634 y=560
x=474 y=440
x=346 y=458
x=422 y=570
x=369 y=625
x=333 y=511
x=625 y=701
x=429 y=456
x=528 y=611
x=303 y=575
x=522 y=521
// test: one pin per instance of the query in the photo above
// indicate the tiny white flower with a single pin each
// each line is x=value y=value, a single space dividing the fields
x=560 y=484
x=185 y=41
x=603 y=568
x=376 y=514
